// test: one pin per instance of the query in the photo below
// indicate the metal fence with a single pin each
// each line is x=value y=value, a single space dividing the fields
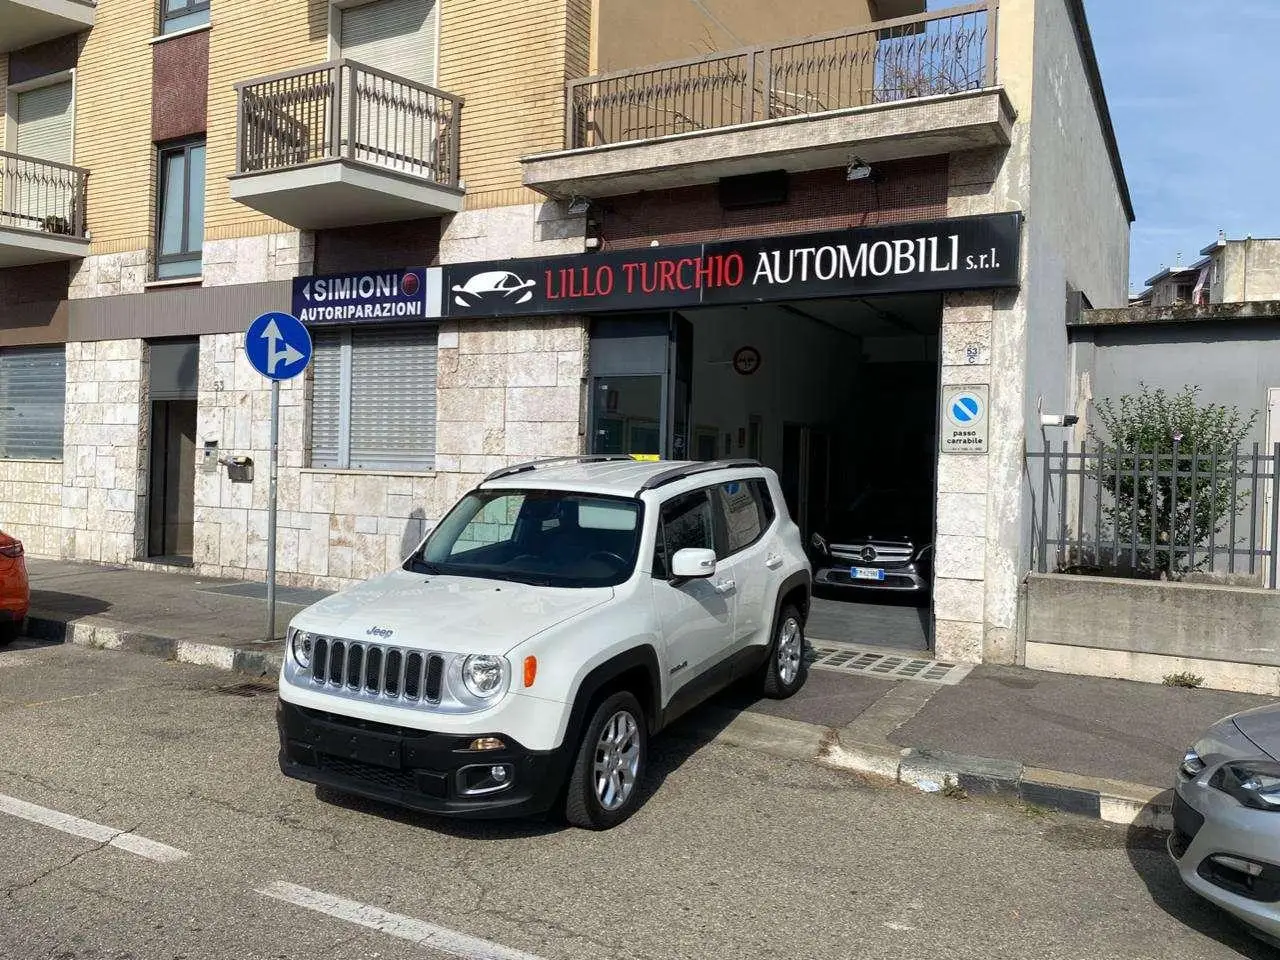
x=941 y=52
x=346 y=110
x=42 y=195
x=1159 y=513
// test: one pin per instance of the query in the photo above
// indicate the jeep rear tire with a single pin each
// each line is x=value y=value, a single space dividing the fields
x=604 y=786
x=785 y=671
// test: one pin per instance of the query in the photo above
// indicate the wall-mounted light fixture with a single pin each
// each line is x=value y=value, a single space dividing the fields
x=579 y=206
x=858 y=169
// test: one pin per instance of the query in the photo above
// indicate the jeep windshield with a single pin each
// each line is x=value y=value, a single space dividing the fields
x=539 y=537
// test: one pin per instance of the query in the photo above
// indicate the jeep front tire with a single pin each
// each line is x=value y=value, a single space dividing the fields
x=604 y=785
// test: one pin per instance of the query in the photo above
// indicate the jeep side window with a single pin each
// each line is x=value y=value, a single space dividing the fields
x=739 y=513
x=686 y=522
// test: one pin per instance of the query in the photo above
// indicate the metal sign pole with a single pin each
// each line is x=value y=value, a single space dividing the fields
x=271 y=510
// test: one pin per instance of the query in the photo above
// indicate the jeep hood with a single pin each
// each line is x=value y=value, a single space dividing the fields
x=446 y=614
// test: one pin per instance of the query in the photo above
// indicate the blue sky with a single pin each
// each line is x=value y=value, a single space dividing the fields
x=1195 y=97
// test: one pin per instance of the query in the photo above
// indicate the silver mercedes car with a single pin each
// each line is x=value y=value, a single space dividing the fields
x=1226 y=814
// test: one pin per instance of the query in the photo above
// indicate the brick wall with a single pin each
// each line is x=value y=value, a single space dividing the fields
x=821 y=200
x=180 y=82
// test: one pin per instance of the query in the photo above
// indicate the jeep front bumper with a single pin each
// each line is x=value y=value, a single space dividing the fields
x=433 y=772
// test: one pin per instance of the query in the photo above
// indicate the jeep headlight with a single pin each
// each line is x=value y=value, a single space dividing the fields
x=302 y=645
x=1255 y=783
x=484 y=676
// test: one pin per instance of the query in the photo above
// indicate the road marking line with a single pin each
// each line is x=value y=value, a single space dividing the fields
x=423 y=934
x=88 y=830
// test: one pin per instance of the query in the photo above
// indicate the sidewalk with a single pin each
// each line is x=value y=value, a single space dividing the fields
x=1102 y=748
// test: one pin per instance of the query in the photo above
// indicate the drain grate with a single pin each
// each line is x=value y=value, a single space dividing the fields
x=849 y=658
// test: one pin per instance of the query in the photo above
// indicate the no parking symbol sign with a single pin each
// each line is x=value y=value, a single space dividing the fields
x=964 y=419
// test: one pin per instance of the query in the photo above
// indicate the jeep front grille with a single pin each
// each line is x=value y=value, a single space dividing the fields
x=377 y=671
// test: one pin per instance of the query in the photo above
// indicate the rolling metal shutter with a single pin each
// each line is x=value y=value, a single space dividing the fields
x=373 y=403
x=393 y=398
x=44 y=123
x=397 y=36
x=33 y=391
x=326 y=398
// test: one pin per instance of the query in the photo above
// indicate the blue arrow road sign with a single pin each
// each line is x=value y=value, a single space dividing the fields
x=278 y=346
x=966 y=408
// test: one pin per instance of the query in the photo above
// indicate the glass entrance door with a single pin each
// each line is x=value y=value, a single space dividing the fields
x=627 y=415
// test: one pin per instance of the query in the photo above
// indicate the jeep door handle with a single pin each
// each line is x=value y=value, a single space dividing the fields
x=773 y=562
x=726 y=586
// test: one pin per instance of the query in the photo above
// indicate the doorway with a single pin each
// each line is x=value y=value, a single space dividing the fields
x=174 y=374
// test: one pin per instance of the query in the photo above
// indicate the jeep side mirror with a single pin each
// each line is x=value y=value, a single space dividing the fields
x=693 y=564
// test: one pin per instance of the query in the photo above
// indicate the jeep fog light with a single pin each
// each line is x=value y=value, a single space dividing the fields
x=482 y=779
x=487 y=743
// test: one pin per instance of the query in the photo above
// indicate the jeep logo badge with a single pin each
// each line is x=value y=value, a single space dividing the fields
x=382 y=633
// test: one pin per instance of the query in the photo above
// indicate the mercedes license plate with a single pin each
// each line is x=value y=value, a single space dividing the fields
x=867 y=573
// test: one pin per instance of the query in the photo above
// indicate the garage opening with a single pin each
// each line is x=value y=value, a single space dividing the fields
x=839 y=396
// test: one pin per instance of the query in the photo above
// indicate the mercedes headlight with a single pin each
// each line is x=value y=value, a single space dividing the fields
x=484 y=676
x=302 y=645
x=1255 y=783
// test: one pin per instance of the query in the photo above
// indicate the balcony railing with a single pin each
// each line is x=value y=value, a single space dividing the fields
x=42 y=195
x=347 y=111
x=941 y=52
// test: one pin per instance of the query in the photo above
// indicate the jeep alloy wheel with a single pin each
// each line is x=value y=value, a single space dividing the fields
x=604 y=784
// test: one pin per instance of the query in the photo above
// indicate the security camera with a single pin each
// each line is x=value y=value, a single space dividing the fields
x=1058 y=420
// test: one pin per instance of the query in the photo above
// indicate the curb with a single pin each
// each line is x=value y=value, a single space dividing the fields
x=930 y=771
x=934 y=771
x=104 y=635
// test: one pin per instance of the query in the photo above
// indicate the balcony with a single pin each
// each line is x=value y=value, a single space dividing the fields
x=346 y=145
x=913 y=86
x=41 y=211
x=24 y=22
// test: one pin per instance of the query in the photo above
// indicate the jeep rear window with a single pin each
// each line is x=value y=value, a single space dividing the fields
x=540 y=537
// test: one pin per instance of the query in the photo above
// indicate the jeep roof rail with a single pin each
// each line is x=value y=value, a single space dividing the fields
x=692 y=470
x=535 y=464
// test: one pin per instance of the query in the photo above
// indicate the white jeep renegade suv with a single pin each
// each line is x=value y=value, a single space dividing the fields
x=559 y=615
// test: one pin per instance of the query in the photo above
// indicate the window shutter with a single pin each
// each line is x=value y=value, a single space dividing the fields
x=397 y=36
x=44 y=123
x=326 y=397
x=393 y=398
x=33 y=391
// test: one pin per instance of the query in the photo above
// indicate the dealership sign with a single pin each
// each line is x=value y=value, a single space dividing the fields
x=964 y=253
x=362 y=297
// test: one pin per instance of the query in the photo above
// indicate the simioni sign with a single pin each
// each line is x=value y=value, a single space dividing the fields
x=964 y=253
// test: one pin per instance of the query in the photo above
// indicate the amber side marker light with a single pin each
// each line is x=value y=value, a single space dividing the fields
x=530 y=670
x=487 y=743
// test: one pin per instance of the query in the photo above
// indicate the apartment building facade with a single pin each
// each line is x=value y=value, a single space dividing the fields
x=535 y=229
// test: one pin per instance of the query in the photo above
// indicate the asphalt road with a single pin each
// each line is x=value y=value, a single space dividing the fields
x=211 y=854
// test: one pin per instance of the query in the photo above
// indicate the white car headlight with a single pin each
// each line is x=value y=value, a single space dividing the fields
x=302 y=645
x=483 y=676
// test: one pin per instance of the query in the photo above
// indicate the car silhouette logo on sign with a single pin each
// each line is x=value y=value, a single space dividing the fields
x=500 y=285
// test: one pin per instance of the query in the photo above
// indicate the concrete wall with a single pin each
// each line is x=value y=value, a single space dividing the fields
x=1234 y=363
x=1251 y=271
x=1145 y=630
